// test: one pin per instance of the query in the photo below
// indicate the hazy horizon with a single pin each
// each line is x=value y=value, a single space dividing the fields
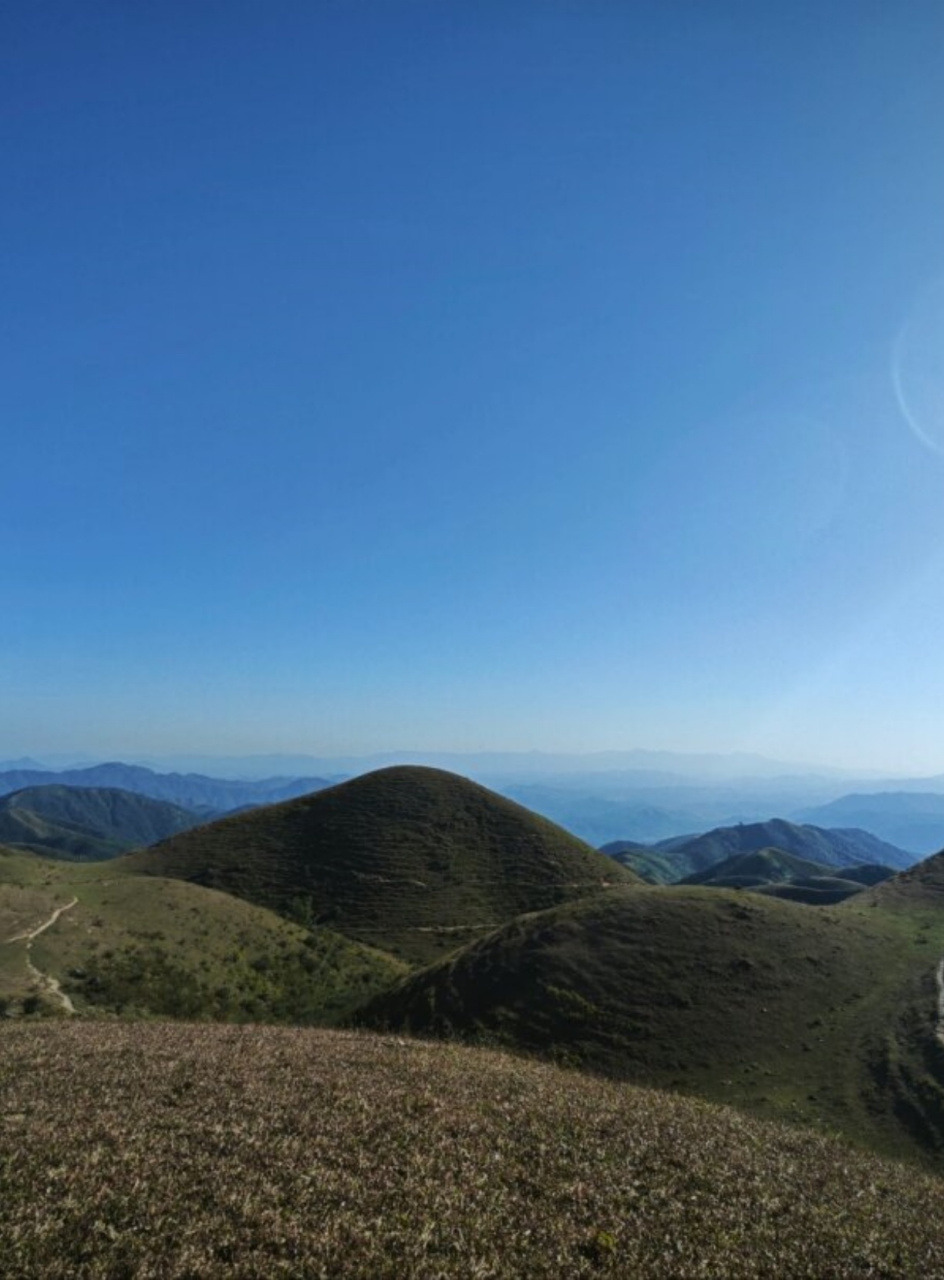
x=476 y=377
x=702 y=767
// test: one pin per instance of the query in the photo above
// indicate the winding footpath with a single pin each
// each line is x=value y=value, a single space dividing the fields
x=45 y=980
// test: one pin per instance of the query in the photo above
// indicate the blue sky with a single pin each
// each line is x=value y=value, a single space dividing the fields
x=473 y=375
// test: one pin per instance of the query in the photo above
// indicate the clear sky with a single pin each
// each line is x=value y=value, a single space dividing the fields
x=473 y=375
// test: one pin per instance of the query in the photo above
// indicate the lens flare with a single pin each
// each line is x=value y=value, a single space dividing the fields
x=917 y=370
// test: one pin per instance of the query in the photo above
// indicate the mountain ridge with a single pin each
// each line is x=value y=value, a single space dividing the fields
x=835 y=847
x=190 y=791
x=88 y=823
x=912 y=819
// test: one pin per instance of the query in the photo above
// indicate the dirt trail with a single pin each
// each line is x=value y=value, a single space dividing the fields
x=50 y=985
x=29 y=934
x=46 y=981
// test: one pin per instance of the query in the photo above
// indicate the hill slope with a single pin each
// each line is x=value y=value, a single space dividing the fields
x=88 y=822
x=920 y=886
x=772 y=871
x=833 y=848
x=765 y=866
x=647 y=862
x=247 y=1152
x=142 y=945
x=737 y=997
x=413 y=860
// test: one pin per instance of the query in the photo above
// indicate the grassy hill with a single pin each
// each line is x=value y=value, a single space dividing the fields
x=646 y=862
x=249 y=1151
x=909 y=1066
x=740 y=998
x=765 y=866
x=88 y=823
x=148 y=946
x=921 y=886
x=832 y=848
x=772 y=871
x=413 y=860
x=815 y=891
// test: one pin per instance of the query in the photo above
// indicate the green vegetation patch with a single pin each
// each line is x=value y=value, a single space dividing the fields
x=140 y=946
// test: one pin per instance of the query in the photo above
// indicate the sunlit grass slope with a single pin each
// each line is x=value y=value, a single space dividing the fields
x=140 y=945
x=413 y=860
x=180 y=1151
x=910 y=1063
x=922 y=886
x=770 y=1005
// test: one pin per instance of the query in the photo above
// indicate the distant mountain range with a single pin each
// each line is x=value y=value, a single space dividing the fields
x=914 y=820
x=606 y=807
x=190 y=790
x=684 y=856
x=637 y=795
x=649 y=765
x=87 y=823
x=24 y=763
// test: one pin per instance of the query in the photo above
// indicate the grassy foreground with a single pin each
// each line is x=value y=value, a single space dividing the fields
x=176 y=1150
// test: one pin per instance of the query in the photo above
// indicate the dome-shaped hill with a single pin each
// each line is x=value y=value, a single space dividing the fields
x=410 y=859
x=749 y=999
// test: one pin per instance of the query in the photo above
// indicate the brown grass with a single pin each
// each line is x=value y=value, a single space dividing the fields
x=152 y=1150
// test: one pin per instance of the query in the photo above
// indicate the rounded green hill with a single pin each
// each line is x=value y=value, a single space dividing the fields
x=767 y=1004
x=414 y=860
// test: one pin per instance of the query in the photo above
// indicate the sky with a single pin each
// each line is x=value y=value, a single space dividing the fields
x=531 y=376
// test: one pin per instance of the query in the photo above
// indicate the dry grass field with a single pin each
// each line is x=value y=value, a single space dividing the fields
x=175 y=1150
